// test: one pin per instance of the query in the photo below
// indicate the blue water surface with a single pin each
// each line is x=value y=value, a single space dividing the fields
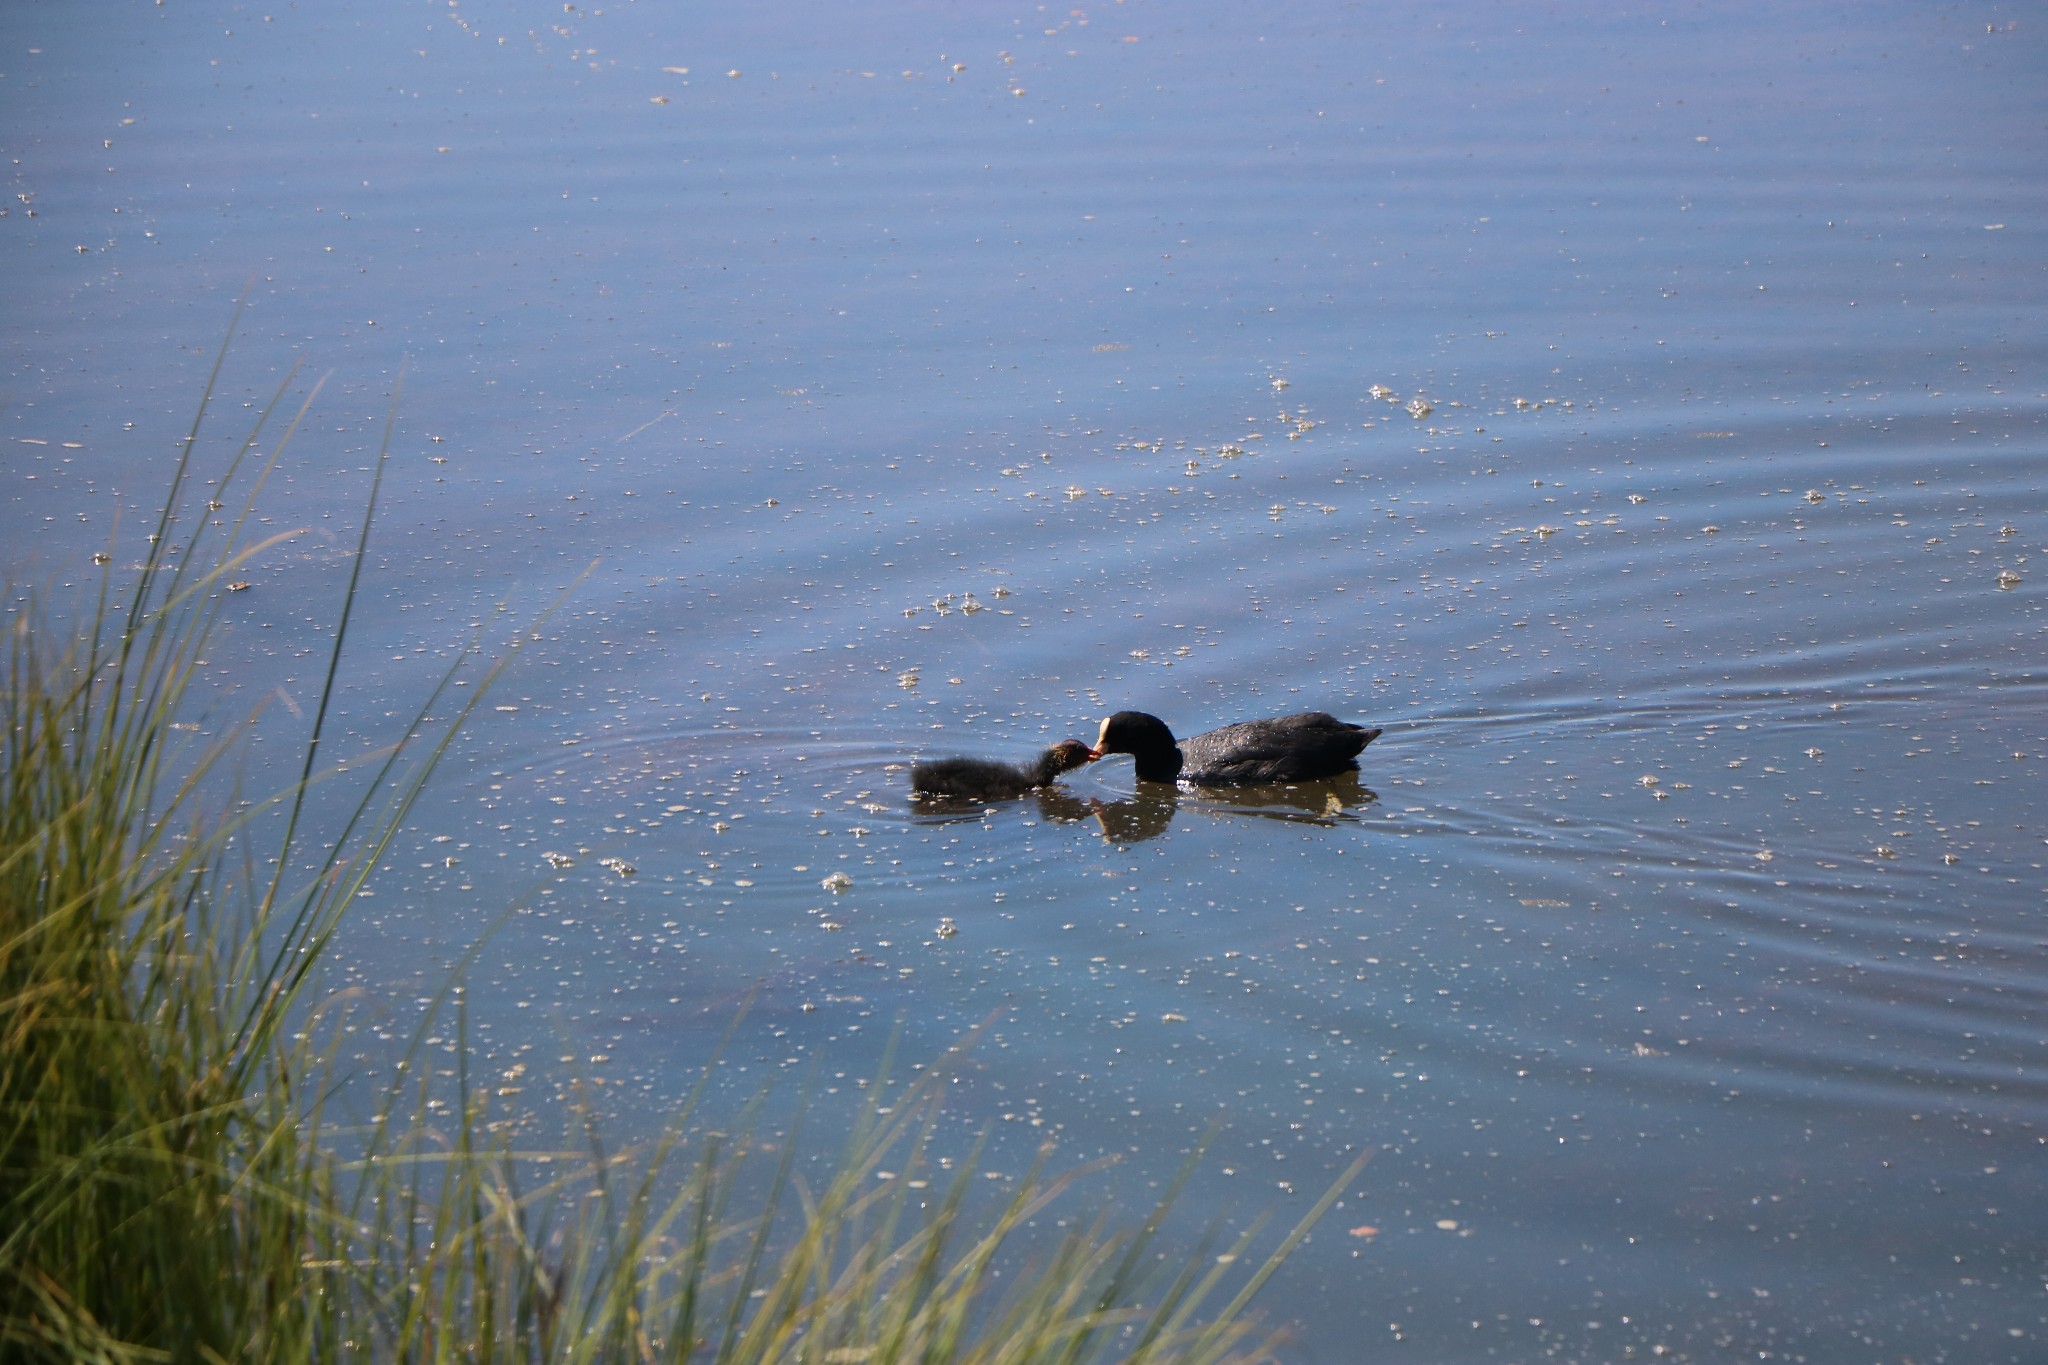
x=1640 y=414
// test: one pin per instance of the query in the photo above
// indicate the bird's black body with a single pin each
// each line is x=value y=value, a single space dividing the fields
x=1299 y=748
x=982 y=779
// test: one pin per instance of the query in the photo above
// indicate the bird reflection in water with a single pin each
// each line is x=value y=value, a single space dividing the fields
x=1147 y=812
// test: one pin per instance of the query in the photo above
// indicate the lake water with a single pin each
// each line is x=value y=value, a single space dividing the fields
x=1641 y=415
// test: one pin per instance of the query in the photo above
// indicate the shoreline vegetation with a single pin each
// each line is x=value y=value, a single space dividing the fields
x=173 y=1187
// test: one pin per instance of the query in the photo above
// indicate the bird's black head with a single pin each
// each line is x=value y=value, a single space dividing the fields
x=1146 y=739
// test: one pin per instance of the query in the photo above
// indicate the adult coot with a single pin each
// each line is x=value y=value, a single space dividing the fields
x=984 y=780
x=1283 y=749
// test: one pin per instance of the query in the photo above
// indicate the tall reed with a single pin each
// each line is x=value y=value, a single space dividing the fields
x=160 y=1180
x=173 y=1188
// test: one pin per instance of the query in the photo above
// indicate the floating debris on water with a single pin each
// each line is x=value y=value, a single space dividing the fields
x=836 y=883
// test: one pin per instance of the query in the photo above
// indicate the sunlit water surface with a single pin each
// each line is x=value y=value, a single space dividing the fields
x=869 y=386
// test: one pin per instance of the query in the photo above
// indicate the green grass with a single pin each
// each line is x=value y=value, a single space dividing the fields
x=173 y=1188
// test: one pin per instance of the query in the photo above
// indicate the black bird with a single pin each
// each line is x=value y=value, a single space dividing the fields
x=982 y=779
x=1282 y=749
